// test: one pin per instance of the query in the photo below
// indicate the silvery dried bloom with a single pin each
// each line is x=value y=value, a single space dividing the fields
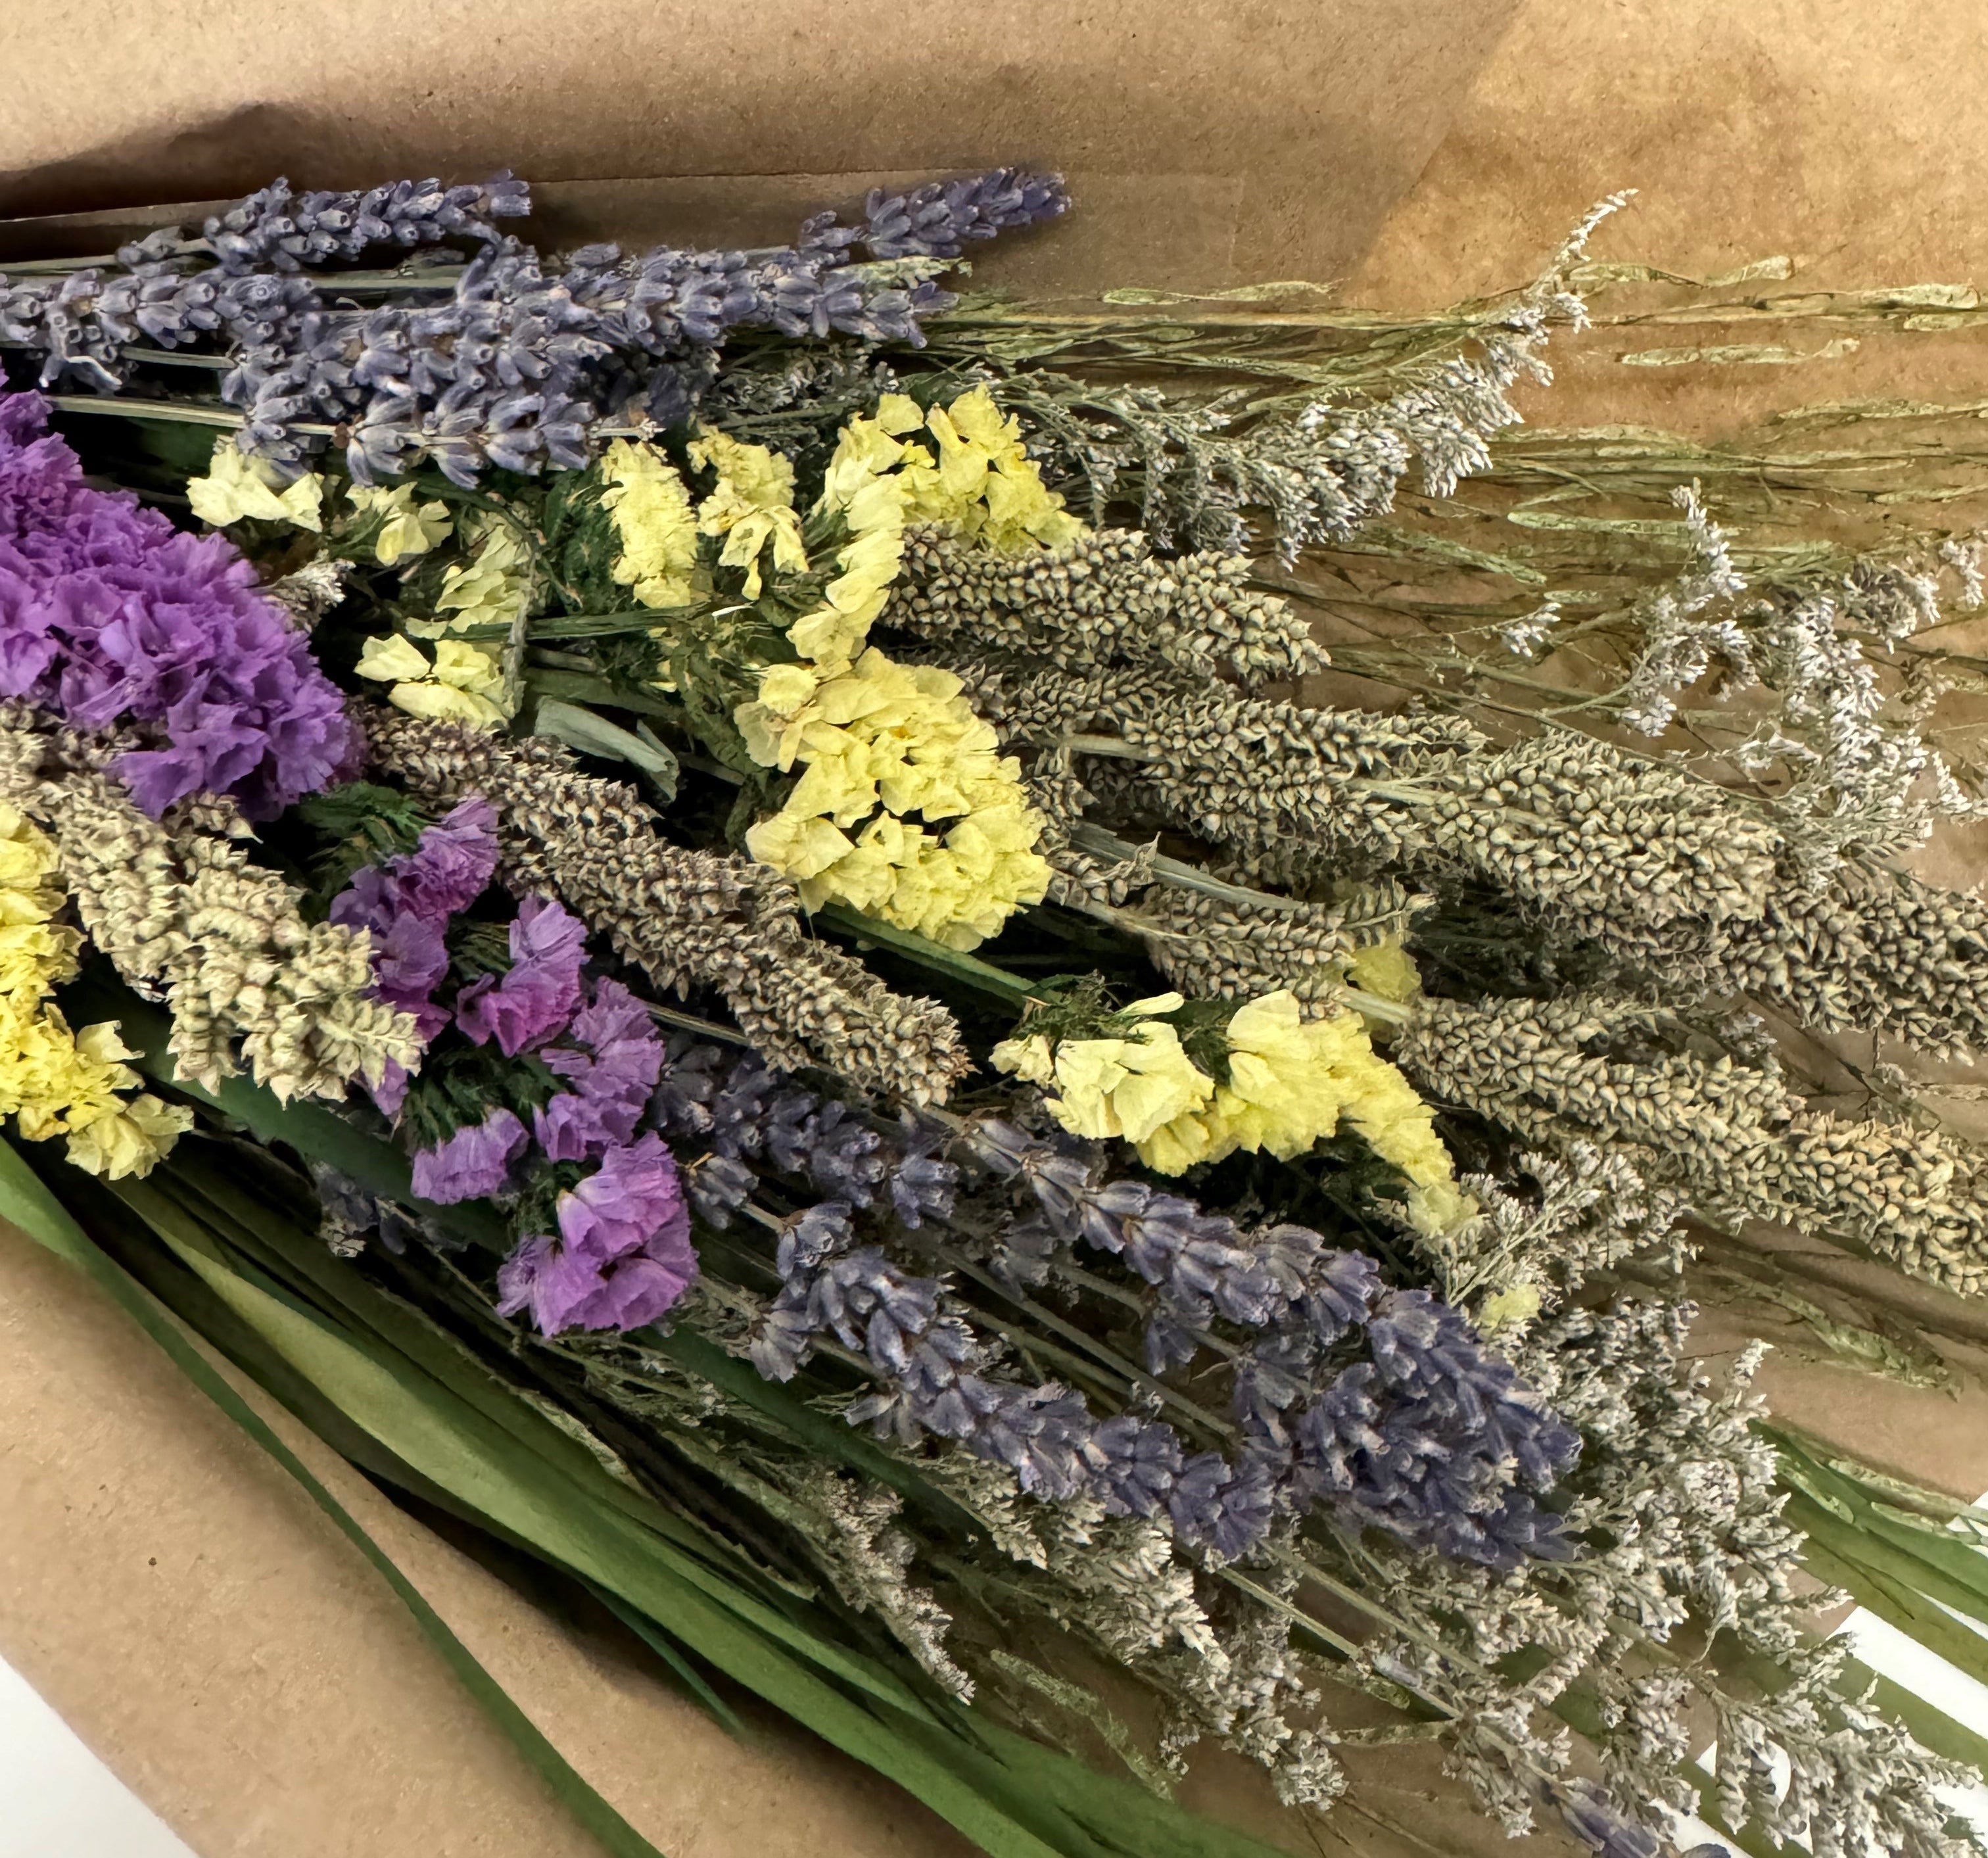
x=867 y=1558
x=1214 y=472
x=1523 y=1254
x=1678 y=645
x=1733 y=1138
x=684 y=918
x=1106 y=599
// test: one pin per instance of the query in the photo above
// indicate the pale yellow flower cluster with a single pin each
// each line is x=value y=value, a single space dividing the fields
x=406 y=528
x=1290 y=1081
x=56 y=1081
x=646 y=498
x=237 y=486
x=981 y=484
x=881 y=742
x=463 y=683
x=492 y=588
x=752 y=504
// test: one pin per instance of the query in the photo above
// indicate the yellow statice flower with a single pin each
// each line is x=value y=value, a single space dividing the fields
x=237 y=486
x=653 y=523
x=463 y=683
x=983 y=484
x=1127 y=1087
x=492 y=588
x=1291 y=1081
x=878 y=743
x=752 y=504
x=53 y=1081
x=406 y=527
x=1386 y=969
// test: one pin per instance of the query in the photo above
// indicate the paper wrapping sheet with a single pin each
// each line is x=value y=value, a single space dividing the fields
x=164 y=1584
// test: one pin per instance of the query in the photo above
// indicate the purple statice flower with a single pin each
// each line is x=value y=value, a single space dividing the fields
x=450 y=867
x=540 y=993
x=610 y=1058
x=473 y=1163
x=110 y=614
x=623 y=1255
x=407 y=903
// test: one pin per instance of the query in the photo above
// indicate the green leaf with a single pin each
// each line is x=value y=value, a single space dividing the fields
x=580 y=728
x=29 y=1205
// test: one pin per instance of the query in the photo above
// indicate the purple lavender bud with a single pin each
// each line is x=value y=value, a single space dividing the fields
x=718 y=1186
x=275 y=228
x=1592 y=1817
x=941 y=218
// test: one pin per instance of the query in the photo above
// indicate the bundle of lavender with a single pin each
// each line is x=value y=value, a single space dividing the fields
x=722 y=927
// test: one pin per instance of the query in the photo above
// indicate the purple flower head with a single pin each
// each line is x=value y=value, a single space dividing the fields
x=541 y=993
x=406 y=903
x=939 y=219
x=611 y=1057
x=450 y=867
x=108 y=613
x=473 y=1163
x=623 y=1256
x=409 y=960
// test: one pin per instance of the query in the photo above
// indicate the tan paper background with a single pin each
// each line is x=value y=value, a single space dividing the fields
x=170 y=1592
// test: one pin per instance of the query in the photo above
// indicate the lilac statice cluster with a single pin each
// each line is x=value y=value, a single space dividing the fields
x=1431 y=1437
x=739 y=1110
x=622 y=1254
x=406 y=905
x=507 y=364
x=110 y=616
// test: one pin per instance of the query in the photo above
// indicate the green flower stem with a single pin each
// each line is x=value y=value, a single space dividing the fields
x=1095 y=840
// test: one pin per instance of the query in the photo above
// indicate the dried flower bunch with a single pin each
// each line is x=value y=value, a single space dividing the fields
x=851 y=975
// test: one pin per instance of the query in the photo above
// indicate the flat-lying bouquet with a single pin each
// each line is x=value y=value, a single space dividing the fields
x=706 y=903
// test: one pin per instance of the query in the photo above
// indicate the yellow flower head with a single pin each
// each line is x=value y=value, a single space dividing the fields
x=406 y=528
x=492 y=588
x=465 y=684
x=650 y=507
x=388 y=658
x=985 y=484
x=237 y=486
x=752 y=504
x=894 y=741
x=1101 y=1087
x=53 y=1081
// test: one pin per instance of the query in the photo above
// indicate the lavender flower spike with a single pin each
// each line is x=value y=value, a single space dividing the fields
x=940 y=219
x=285 y=231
